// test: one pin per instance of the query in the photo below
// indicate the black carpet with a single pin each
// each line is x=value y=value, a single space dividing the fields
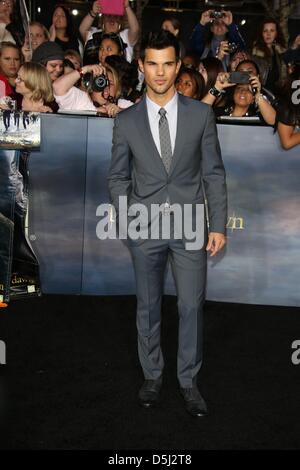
x=72 y=377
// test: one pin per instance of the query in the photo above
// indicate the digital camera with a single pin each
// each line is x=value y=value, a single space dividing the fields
x=216 y=15
x=232 y=47
x=97 y=83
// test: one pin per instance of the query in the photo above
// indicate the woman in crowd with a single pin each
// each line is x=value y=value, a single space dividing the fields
x=108 y=100
x=190 y=83
x=111 y=44
x=11 y=29
x=191 y=60
x=51 y=55
x=210 y=69
x=267 y=51
x=108 y=24
x=213 y=35
x=238 y=57
x=173 y=25
x=74 y=57
x=241 y=101
x=127 y=78
x=252 y=68
x=288 y=114
x=260 y=106
x=10 y=62
x=72 y=61
x=35 y=86
x=38 y=35
x=62 y=30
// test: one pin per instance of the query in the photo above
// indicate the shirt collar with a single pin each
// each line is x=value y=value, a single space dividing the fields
x=169 y=107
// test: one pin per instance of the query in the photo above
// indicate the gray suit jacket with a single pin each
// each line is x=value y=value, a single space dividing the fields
x=138 y=172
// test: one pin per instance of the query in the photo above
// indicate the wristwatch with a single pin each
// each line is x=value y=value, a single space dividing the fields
x=215 y=92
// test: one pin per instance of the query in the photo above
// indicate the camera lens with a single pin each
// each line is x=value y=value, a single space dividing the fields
x=100 y=82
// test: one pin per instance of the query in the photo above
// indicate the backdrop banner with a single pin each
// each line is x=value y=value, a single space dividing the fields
x=19 y=129
x=68 y=180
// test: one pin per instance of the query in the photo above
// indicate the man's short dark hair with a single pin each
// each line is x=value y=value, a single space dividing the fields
x=159 y=40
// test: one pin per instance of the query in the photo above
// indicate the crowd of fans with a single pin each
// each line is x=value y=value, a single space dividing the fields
x=95 y=69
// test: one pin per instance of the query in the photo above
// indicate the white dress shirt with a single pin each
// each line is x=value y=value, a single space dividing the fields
x=154 y=117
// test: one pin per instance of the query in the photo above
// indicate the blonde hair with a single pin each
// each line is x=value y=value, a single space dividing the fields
x=40 y=25
x=116 y=80
x=37 y=80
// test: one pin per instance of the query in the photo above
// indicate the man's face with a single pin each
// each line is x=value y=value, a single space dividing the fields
x=218 y=28
x=55 y=69
x=160 y=69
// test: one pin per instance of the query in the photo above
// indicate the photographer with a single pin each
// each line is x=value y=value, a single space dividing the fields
x=260 y=106
x=103 y=90
x=241 y=102
x=216 y=36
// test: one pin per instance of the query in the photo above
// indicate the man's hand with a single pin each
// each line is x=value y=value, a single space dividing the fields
x=205 y=17
x=216 y=241
x=223 y=50
x=227 y=18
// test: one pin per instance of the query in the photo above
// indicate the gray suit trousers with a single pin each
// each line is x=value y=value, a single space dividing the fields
x=189 y=270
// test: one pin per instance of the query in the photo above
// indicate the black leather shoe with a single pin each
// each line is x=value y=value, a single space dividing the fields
x=149 y=393
x=194 y=403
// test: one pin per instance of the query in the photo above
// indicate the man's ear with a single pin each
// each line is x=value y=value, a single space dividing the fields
x=141 y=65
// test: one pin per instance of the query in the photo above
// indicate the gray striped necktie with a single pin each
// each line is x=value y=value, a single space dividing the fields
x=165 y=139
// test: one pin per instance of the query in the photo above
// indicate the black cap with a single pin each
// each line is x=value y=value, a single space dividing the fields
x=47 y=51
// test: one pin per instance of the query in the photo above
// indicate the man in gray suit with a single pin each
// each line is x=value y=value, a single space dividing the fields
x=165 y=149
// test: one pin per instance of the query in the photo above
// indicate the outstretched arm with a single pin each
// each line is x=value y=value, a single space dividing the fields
x=133 y=24
x=288 y=137
x=88 y=20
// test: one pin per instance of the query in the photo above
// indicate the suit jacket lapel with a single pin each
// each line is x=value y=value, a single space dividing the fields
x=144 y=129
x=181 y=132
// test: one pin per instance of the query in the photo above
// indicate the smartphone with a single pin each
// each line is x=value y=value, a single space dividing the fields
x=239 y=77
x=112 y=7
